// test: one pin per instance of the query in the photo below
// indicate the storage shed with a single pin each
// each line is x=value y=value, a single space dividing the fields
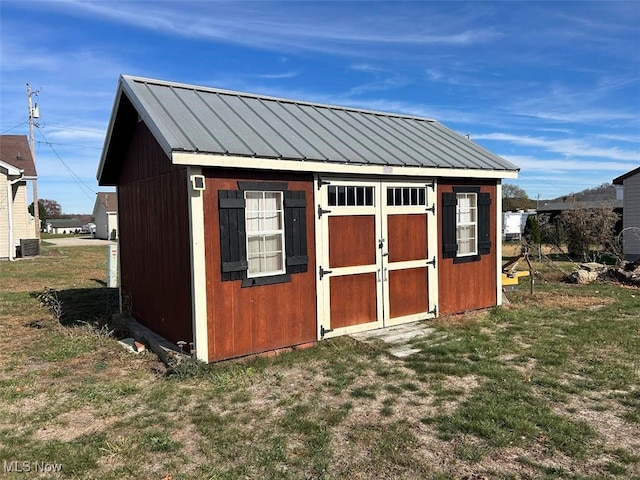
x=250 y=223
x=630 y=183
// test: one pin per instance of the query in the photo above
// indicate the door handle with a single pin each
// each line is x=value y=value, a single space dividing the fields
x=385 y=254
x=378 y=276
x=385 y=275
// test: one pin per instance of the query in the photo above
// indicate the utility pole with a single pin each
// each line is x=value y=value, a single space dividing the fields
x=32 y=143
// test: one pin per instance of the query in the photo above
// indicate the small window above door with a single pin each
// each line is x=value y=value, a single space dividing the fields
x=350 y=196
x=406 y=196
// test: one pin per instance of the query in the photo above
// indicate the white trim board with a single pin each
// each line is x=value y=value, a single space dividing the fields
x=257 y=163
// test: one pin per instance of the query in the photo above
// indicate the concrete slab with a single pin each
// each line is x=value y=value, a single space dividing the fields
x=77 y=241
x=398 y=337
x=402 y=352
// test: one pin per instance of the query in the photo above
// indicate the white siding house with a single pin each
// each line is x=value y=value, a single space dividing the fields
x=105 y=212
x=16 y=169
x=630 y=182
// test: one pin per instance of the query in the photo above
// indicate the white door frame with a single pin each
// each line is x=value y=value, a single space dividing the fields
x=381 y=267
x=432 y=245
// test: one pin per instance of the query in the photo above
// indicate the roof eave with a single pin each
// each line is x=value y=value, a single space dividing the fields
x=124 y=87
x=259 y=163
x=622 y=178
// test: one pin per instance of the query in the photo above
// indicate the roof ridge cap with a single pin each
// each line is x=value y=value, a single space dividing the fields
x=203 y=88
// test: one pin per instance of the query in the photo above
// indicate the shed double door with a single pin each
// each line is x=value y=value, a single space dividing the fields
x=376 y=251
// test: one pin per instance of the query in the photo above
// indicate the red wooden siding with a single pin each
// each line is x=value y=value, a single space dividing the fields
x=154 y=247
x=244 y=321
x=472 y=285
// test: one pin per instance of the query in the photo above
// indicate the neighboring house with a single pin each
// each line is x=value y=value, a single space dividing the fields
x=64 y=226
x=630 y=182
x=251 y=223
x=105 y=212
x=16 y=170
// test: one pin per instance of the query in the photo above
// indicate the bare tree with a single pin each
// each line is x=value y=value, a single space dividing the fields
x=515 y=198
x=589 y=232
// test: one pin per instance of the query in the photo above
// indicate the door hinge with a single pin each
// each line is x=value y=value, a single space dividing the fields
x=324 y=331
x=432 y=262
x=322 y=182
x=323 y=272
x=321 y=211
x=431 y=209
x=434 y=311
x=431 y=185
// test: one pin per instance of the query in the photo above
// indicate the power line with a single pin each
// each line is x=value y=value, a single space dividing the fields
x=13 y=128
x=68 y=145
x=75 y=129
x=80 y=181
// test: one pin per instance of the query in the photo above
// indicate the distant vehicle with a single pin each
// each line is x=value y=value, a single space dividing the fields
x=89 y=228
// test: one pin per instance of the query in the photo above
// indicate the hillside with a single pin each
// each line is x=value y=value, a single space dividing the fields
x=606 y=191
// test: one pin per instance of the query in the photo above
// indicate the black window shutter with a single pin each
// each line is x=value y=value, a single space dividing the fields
x=448 y=213
x=295 y=231
x=484 y=214
x=233 y=248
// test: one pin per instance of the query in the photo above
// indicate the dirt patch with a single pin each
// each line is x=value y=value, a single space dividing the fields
x=615 y=431
x=71 y=425
x=561 y=299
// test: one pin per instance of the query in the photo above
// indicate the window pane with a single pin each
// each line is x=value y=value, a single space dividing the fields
x=351 y=196
x=253 y=222
x=414 y=196
x=252 y=201
x=333 y=196
x=273 y=243
x=422 y=197
x=390 y=197
x=398 y=196
x=273 y=262
x=405 y=197
x=272 y=200
x=369 y=196
x=342 y=196
x=254 y=245
x=360 y=196
x=254 y=265
x=272 y=221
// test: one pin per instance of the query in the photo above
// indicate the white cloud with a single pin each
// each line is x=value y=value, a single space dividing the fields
x=568 y=147
x=277 y=76
x=563 y=165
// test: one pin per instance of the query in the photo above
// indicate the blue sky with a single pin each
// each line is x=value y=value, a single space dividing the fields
x=553 y=87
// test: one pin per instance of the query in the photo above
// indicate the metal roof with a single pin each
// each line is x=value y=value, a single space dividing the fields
x=188 y=118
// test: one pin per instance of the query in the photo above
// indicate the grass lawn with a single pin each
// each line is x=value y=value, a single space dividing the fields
x=545 y=387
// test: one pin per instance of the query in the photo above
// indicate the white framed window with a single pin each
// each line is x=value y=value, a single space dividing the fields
x=264 y=215
x=467 y=224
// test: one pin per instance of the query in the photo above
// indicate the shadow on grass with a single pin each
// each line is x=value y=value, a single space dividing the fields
x=83 y=305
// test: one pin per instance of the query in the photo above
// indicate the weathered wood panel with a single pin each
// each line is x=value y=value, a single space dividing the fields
x=407 y=237
x=472 y=285
x=408 y=292
x=352 y=240
x=353 y=299
x=244 y=321
x=154 y=238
